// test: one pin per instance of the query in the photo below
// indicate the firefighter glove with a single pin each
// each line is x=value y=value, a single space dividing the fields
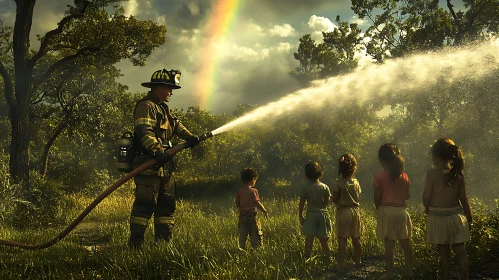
x=192 y=141
x=162 y=157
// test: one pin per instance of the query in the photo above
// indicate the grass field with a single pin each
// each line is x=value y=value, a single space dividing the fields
x=205 y=246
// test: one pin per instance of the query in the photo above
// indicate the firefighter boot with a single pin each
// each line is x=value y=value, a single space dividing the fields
x=136 y=236
x=163 y=228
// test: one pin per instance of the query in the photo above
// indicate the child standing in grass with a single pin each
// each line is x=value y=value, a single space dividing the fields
x=317 y=222
x=447 y=206
x=248 y=202
x=391 y=190
x=346 y=195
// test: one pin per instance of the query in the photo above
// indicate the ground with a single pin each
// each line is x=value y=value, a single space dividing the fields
x=204 y=247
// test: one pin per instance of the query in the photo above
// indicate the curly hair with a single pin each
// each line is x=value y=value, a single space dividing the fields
x=347 y=166
x=313 y=171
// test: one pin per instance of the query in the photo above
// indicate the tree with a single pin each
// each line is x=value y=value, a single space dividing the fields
x=73 y=101
x=334 y=56
x=399 y=27
x=88 y=34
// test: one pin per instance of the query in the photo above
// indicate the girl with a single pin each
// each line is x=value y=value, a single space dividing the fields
x=346 y=195
x=447 y=206
x=391 y=190
x=317 y=222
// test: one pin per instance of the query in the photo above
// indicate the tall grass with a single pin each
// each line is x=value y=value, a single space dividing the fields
x=204 y=246
x=10 y=193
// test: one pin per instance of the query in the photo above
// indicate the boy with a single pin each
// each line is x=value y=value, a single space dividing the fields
x=248 y=201
x=317 y=222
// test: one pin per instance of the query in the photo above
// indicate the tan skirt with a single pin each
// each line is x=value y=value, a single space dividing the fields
x=348 y=222
x=393 y=223
x=447 y=226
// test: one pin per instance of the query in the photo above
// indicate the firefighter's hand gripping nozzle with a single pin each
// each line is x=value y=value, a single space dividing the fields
x=177 y=148
x=205 y=136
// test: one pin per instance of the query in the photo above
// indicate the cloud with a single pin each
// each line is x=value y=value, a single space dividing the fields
x=360 y=22
x=283 y=30
x=289 y=10
x=317 y=25
x=321 y=24
x=131 y=7
x=194 y=8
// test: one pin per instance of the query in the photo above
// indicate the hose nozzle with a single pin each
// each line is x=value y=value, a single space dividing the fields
x=205 y=136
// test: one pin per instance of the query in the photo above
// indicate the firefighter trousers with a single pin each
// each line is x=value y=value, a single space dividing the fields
x=154 y=195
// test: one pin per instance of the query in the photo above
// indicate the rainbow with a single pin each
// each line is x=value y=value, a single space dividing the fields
x=219 y=26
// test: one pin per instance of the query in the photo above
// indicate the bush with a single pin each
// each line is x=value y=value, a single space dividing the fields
x=48 y=205
x=10 y=193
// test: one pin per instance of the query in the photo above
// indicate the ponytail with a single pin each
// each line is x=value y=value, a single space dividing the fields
x=457 y=160
x=390 y=154
x=446 y=149
x=396 y=164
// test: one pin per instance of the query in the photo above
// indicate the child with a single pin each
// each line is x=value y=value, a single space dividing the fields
x=391 y=190
x=317 y=222
x=346 y=195
x=447 y=206
x=248 y=201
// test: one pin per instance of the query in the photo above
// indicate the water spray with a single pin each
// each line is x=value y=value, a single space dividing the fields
x=148 y=164
x=406 y=75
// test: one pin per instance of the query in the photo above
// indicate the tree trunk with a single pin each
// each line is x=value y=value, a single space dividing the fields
x=19 y=112
x=19 y=154
x=45 y=159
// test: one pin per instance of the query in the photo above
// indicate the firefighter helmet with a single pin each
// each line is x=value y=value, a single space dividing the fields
x=164 y=77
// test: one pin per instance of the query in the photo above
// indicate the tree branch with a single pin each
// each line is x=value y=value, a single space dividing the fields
x=379 y=32
x=456 y=20
x=47 y=114
x=56 y=65
x=60 y=98
x=9 y=86
x=476 y=14
x=39 y=98
x=52 y=33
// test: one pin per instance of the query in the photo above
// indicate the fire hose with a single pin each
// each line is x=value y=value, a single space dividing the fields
x=148 y=164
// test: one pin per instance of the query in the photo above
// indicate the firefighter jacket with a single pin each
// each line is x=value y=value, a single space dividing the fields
x=154 y=127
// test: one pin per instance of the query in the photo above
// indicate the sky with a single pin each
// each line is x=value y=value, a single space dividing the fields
x=247 y=63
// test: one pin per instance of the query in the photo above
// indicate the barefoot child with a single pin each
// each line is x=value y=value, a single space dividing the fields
x=346 y=195
x=447 y=206
x=248 y=201
x=317 y=222
x=391 y=190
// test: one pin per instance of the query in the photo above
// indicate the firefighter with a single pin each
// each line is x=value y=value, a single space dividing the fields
x=154 y=127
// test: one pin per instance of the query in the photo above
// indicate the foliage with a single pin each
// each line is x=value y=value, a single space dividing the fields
x=334 y=56
x=10 y=192
x=92 y=35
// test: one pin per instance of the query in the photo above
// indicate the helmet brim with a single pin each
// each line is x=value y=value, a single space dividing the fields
x=151 y=84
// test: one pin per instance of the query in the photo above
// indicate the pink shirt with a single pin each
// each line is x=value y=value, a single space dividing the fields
x=246 y=200
x=393 y=193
